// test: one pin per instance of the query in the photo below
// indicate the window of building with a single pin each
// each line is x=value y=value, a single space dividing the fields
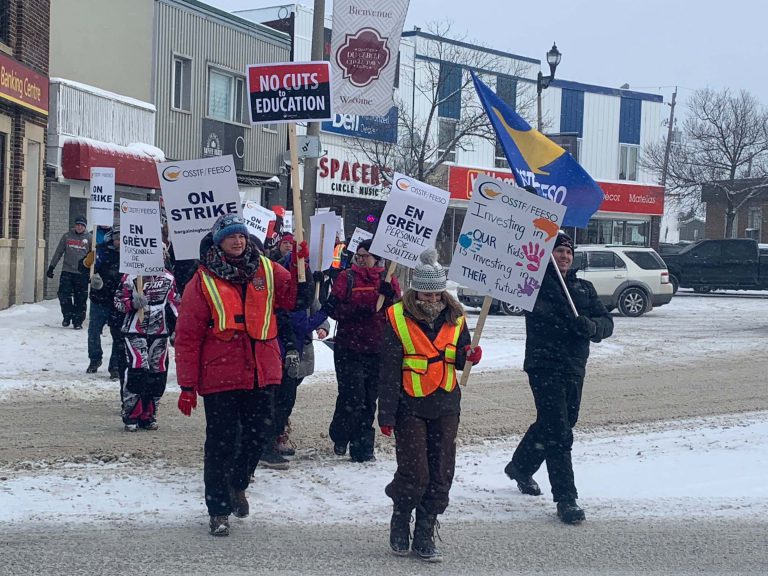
x=182 y=83
x=628 y=162
x=445 y=134
x=5 y=23
x=754 y=222
x=449 y=91
x=226 y=96
x=572 y=112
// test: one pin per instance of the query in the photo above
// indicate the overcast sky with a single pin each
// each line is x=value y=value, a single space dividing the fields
x=653 y=45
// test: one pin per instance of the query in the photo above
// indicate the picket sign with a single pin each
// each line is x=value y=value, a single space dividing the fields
x=487 y=301
x=320 y=259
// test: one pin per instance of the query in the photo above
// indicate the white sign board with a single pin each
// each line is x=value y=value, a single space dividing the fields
x=288 y=222
x=196 y=193
x=358 y=236
x=505 y=242
x=321 y=256
x=141 y=238
x=102 y=197
x=257 y=218
x=410 y=221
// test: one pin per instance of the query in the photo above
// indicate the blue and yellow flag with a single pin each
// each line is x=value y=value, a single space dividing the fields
x=537 y=161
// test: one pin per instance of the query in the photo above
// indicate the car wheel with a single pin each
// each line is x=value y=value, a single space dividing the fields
x=509 y=310
x=702 y=289
x=675 y=283
x=633 y=302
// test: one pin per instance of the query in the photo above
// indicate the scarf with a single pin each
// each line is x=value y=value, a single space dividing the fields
x=431 y=309
x=238 y=270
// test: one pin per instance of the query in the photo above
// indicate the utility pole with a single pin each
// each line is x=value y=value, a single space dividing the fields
x=309 y=191
x=670 y=132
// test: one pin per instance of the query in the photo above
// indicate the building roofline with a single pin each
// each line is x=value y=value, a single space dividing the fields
x=419 y=33
x=606 y=90
x=227 y=17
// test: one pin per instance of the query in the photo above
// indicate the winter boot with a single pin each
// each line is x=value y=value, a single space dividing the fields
x=273 y=460
x=400 y=531
x=284 y=446
x=424 y=537
x=239 y=502
x=339 y=448
x=114 y=374
x=131 y=426
x=219 y=525
x=526 y=484
x=569 y=512
x=65 y=323
x=93 y=366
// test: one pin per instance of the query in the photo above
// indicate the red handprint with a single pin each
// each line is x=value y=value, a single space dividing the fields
x=534 y=254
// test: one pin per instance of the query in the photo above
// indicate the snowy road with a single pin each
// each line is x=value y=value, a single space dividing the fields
x=671 y=459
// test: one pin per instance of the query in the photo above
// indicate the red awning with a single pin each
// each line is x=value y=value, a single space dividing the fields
x=131 y=168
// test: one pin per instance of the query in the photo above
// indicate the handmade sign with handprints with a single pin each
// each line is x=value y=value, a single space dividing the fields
x=505 y=242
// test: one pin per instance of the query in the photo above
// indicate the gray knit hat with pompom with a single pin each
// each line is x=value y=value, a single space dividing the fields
x=429 y=276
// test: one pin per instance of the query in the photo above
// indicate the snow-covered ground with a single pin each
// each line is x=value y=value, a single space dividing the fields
x=711 y=467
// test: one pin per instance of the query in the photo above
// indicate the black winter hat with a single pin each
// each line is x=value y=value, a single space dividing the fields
x=563 y=240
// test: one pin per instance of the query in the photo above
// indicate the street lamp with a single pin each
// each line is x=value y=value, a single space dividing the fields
x=542 y=82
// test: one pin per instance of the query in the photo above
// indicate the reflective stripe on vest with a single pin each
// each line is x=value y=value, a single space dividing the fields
x=254 y=316
x=337 y=252
x=427 y=365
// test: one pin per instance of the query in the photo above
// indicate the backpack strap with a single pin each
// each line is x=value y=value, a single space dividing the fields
x=350 y=282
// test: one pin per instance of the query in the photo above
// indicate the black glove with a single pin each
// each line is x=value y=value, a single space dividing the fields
x=585 y=327
x=96 y=282
x=292 y=363
x=172 y=338
x=387 y=290
x=318 y=277
x=49 y=272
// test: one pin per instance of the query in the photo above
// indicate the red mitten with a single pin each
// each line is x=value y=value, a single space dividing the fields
x=187 y=402
x=475 y=355
x=303 y=251
x=386 y=430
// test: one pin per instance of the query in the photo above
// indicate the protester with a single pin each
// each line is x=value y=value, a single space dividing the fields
x=295 y=368
x=556 y=352
x=150 y=313
x=227 y=351
x=425 y=342
x=73 y=284
x=105 y=281
x=359 y=330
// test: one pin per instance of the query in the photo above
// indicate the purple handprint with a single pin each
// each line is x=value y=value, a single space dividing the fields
x=534 y=254
x=531 y=284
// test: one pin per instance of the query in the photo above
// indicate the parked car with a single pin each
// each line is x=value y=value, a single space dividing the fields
x=726 y=264
x=631 y=279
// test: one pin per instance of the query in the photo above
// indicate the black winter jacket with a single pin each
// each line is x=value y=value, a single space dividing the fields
x=553 y=341
x=393 y=398
x=108 y=267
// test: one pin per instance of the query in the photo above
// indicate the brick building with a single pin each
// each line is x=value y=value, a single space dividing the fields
x=751 y=219
x=24 y=31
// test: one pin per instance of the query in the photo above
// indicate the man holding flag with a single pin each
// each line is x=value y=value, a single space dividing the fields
x=567 y=316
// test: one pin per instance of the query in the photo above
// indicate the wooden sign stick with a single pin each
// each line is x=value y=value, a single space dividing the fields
x=140 y=289
x=320 y=260
x=487 y=301
x=387 y=278
x=298 y=228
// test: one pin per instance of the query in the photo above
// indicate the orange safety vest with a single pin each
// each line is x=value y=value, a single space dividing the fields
x=427 y=365
x=337 y=252
x=256 y=315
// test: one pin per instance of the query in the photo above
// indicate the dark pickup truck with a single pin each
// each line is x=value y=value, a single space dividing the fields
x=730 y=264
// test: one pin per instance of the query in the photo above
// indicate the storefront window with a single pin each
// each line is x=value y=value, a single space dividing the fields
x=628 y=232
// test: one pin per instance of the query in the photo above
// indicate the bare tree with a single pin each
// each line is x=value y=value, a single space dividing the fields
x=724 y=146
x=441 y=76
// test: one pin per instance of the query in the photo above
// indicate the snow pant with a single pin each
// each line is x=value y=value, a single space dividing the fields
x=99 y=316
x=144 y=379
x=238 y=424
x=73 y=296
x=550 y=438
x=285 y=400
x=426 y=460
x=357 y=375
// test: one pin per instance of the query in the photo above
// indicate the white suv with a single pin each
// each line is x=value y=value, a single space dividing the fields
x=630 y=278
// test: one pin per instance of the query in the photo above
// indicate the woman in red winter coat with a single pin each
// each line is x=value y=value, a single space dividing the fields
x=227 y=352
x=359 y=330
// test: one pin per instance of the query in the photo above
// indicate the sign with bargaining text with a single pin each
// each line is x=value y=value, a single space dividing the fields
x=358 y=236
x=196 y=193
x=141 y=239
x=505 y=242
x=289 y=92
x=257 y=218
x=102 y=196
x=410 y=221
